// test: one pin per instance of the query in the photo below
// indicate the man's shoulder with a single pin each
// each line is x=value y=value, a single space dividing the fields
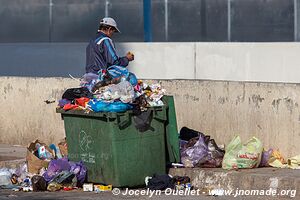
x=100 y=40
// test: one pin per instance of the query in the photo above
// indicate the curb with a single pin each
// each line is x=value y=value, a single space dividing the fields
x=245 y=179
x=12 y=164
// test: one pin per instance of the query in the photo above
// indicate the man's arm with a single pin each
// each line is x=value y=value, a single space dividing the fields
x=111 y=55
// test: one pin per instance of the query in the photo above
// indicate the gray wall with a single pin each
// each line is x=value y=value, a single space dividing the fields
x=269 y=111
x=173 y=20
x=42 y=59
x=263 y=62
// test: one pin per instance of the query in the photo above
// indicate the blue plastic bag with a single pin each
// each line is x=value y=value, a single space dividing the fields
x=116 y=71
x=101 y=106
x=118 y=107
x=132 y=79
x=98 y=106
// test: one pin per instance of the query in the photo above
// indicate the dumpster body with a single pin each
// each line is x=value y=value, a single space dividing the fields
x=112 y=149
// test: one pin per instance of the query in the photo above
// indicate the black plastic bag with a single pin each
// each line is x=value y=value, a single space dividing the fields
x=74 y=93
x=38 y=183
x=142 y=122
x=187 y=134
x=160 y=182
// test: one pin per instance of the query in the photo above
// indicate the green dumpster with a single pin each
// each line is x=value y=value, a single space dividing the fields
x=112 y=149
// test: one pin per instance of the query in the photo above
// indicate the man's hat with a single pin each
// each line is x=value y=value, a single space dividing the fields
x=108 y=21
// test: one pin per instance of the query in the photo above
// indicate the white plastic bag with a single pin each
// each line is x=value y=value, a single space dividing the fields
x=5 y=176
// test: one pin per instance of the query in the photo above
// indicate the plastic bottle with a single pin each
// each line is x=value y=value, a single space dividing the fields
x=56 y=150
x=42 y=152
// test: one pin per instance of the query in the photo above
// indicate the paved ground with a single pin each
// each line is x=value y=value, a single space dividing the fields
x=6 y=194
x=261 y=178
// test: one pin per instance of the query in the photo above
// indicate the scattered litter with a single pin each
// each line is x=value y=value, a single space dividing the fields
x=102 y=188
x=88 y=187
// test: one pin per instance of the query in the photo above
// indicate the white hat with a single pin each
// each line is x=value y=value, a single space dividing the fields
x=109 y=22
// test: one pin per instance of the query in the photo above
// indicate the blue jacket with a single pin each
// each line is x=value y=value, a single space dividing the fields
x=101 y=54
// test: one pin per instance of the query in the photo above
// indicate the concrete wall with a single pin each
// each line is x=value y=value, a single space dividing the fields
x=258 y=62
x=262 y=62
x=221 y=109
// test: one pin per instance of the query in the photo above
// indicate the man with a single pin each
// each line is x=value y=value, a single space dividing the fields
x=101 y=56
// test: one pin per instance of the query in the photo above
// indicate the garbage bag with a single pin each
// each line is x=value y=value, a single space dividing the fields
x=55 y=167
x=142 y=122
x=70 y=106
x=160 y=182
x=38 y=183
x=5 y=175
x=187 y=133
x=266 y=155
x=63 y=102
x=118 y=107
x=74 y=93
x=123 y=91
x=65 y=178
x=195 y=154
x=132 y=79
x=212 y=155
x=242 y=156
x=101 y=106
x=98 y=106
x=116 y=71
x=21 y=172
x=82 y=101
x=182 y=144
x=215 y=155
x=80 y=170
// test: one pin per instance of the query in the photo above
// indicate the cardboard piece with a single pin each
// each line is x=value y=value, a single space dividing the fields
x=34 y=163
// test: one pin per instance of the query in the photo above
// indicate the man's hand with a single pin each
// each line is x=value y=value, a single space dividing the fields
x=130 y=56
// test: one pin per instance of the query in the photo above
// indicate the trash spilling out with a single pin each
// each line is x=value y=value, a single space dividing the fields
x=112 y=121
x=199 y=150
x=47 y=167
x=273 y=158
x=101 y=93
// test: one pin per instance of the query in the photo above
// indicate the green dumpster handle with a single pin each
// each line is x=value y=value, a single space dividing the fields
x=123 y=120
x=160 y=113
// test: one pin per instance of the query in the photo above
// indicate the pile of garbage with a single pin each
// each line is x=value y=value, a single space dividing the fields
x=199 y=150
x=273 y=158
x=98 y=94
x=46 y=168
